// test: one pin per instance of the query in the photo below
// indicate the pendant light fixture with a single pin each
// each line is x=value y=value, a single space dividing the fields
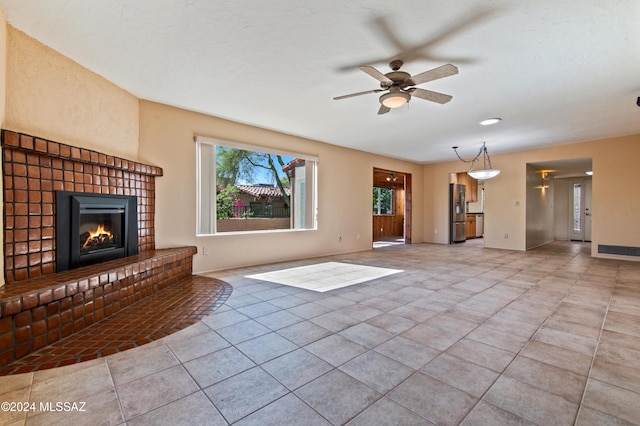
x=484 y=173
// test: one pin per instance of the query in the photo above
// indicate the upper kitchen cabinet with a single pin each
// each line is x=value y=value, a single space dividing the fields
x=472 y=186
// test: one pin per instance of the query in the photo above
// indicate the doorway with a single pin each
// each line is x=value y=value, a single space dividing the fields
x=559 y=201
x=391 y=200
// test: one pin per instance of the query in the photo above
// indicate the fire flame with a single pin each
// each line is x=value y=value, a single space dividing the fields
x=100 y=233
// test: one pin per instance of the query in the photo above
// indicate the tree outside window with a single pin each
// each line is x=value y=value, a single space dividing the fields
x=275 y=191
x=382 y=201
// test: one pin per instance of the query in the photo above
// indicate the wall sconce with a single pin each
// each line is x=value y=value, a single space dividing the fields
x=484 y=173
x=544 y=182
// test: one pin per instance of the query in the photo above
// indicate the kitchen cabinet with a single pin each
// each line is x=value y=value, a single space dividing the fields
x=471 y=225
x=472 y=187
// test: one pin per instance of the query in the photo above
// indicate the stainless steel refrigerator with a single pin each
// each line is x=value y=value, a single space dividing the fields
x=457 y=213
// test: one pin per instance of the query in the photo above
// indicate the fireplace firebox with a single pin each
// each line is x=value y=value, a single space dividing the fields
x=93 y=228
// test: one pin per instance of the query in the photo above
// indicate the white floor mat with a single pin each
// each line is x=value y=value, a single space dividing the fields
x=327 y=276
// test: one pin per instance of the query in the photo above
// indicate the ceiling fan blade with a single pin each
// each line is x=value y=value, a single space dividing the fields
x=383 y=110
x=376 y=74
x=434 y=74
x=351 y=95
x=381 y=25
x=428 y=95
x=418 y=51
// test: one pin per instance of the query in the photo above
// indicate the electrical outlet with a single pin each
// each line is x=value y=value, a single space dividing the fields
x=205 y=251
x=357 y=236
x=506 y=236
x=435 y=231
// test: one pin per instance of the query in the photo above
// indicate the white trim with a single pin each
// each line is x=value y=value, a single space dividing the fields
x=211 y=143
x=254 y=147
x=260 y=231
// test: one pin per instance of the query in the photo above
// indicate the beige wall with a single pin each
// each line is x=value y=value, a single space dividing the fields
x=539 y=213
x=345 y=181
x=3 y=100
x=614 y=203
x=50 y=96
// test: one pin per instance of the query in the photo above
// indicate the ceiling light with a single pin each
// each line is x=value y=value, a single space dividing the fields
x=490 y=121
x=394 y=99
x=391 y=177
x=590 y=173
x=484 y=173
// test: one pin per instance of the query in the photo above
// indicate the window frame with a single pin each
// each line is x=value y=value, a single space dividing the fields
x=391 y=201
x=211 y=144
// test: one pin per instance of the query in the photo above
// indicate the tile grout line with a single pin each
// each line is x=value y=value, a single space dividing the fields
x=593 y=358
x=518 y=354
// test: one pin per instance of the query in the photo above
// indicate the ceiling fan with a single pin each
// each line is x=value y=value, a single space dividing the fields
x=399 y=85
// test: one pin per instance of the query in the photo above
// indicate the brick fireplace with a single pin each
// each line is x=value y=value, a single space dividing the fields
x=34 y=169
x=41 y=304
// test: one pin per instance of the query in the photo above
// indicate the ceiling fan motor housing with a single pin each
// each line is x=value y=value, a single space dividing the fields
x=399 y=78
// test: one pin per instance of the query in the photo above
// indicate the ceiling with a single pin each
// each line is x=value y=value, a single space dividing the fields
x=555 y=72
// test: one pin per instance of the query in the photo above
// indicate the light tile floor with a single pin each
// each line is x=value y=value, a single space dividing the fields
x=464 y=335
x=324 y=276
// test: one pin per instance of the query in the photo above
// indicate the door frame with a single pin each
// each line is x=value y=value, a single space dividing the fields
x=407 y=195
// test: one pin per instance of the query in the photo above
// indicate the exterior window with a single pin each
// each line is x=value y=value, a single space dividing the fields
x=382 y=201
x=244 y=189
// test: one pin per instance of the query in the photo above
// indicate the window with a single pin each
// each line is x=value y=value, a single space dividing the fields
x=382 y=200
x=241 y=188
x=577 y=207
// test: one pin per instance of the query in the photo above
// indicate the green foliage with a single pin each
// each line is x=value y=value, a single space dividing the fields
x=234 y=165
x=227 y=203
x=382 y=203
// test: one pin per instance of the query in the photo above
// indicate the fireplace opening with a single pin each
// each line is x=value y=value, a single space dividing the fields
x=93 y=228
x=100 y=231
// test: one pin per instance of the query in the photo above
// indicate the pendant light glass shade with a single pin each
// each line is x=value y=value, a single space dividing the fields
x=484 y=173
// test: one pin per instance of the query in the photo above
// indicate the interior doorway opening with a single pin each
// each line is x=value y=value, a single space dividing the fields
x=559 y=201
x=391 y=207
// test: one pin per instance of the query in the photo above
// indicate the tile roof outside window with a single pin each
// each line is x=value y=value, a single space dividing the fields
x=263 y=190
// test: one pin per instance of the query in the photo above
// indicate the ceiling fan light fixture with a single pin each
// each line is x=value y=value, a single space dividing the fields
x=394 y=99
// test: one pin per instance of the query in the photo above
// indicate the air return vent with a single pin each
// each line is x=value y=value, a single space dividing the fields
x=619 y=250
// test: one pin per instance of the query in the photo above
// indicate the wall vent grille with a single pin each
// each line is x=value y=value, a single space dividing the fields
x=619 y=250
